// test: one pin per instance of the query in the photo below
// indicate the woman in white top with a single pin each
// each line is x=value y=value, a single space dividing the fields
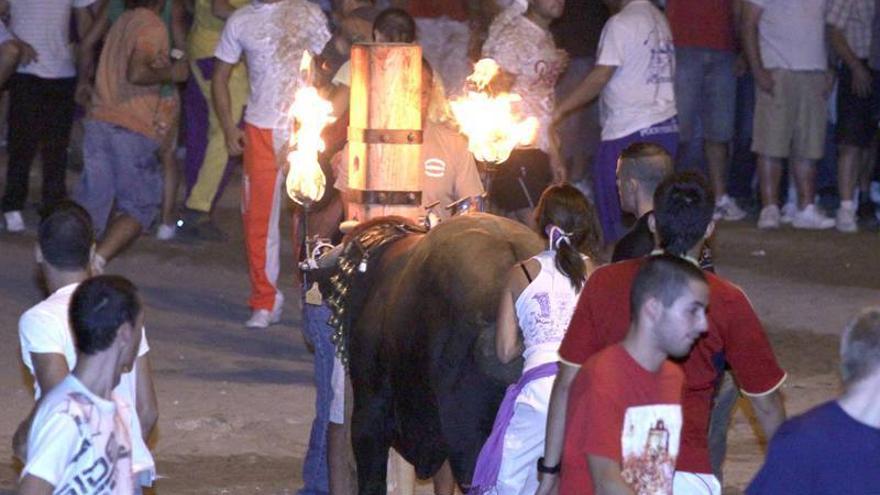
x=538 y=302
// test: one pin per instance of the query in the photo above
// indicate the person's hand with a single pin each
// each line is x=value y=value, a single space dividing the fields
x=549 y=484
x=861 y=82
x=234 y=141
x=83 y=94
x=28 y=53
x=764 y=80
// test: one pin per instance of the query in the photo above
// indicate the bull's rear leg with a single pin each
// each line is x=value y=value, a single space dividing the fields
x=371 y=430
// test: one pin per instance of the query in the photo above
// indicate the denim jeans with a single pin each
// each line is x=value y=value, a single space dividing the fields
x=316 y=472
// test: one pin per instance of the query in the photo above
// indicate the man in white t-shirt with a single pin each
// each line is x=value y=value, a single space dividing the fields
x=634 y=72
x=41 y=101
x=785 y=44
x=80 y=440
x=272 y=35
x=48 y=349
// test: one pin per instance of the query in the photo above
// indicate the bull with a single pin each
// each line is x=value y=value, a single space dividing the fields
x=415 y=318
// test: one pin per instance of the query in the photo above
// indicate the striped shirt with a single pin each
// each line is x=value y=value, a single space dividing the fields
x=45 y=25
x=854 y=18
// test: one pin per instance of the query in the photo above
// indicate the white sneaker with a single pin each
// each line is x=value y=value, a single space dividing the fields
x=812 y=218
x=727 y=209
x=166 y=232
x=789 y=211
x=846 y=217
x=14 y=221
x=262 y=318
x=769 y=218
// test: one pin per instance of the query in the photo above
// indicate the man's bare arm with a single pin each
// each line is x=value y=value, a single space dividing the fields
x=769 y=411
x=751 y=19
x=222 y=8
x=586 y=91
x=143 y=70
x=147 y=405
x=31 y=485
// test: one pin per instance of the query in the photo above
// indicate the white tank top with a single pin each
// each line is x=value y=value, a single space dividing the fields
x=544 y=309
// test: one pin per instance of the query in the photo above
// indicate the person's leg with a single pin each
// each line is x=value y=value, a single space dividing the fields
x=58 y=113
x=261 y=210
x=26 y=127
x=690 y=81
x=138 y=185
x=444 y=481
x=808 y=147
x=196 y=104
x=607 y=200
x=775 y=119
x=718 y=115
x=849 y=160
x=524 y=440
x=342 y=468
x=742 y=169
x=170 y=175
x=315 y=465
x=95 y=191
x=215 y=159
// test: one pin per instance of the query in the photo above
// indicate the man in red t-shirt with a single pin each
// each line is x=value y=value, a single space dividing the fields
x=682 y=220
x=625 y=417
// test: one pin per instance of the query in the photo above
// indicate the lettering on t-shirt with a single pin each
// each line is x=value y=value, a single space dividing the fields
x=649 y=444
x=97 y=469
x=435 y=167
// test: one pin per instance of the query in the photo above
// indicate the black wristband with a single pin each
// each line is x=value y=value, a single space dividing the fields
x=548 y=469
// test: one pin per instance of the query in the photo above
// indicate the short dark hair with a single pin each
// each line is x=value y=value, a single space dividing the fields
x=566 y=207
x=66 y=237
x=683 y=208
x=662 y=277
x=98 y=307
x=396 y=24
x=860 y=346
x=647 y=163
x=148 y=4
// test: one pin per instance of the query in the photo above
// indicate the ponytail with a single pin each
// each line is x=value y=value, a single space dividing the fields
x=570 y=262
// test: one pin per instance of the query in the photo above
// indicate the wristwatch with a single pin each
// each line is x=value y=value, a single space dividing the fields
x=548 y=469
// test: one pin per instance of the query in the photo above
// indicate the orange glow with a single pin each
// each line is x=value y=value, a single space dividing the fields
x=488 y=120
x=309 y=114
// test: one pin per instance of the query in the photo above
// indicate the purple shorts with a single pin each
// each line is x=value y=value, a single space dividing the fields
x=607 y=199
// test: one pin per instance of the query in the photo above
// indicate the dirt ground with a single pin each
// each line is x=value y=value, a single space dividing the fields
x=236 y=404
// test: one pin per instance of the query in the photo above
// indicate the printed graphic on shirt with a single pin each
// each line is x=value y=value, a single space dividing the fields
x=97 y=469
x=435 y=167
x=649 y=442
x=662 y=64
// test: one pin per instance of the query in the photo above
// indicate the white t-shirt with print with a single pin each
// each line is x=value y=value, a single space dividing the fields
x=45 y=329
x=273 y=38
x=528 y=52
x=637 y=41
x=792 y=34
x=80 y=443
x=45 y=25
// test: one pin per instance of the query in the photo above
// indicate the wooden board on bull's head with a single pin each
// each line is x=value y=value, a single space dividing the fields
x=422 y=359
x=385 y=124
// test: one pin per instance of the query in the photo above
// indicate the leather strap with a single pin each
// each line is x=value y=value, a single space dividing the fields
x=406 y=198
x=385 y=136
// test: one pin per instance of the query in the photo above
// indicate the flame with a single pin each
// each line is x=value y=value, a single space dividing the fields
x=488 y=120
x=309 y=114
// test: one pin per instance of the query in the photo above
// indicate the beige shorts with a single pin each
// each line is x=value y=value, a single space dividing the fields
x=792 y=122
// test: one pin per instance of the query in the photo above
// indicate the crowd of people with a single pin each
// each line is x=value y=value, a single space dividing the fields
x=713 y=85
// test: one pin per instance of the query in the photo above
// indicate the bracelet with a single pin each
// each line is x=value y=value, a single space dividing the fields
x=548 y=469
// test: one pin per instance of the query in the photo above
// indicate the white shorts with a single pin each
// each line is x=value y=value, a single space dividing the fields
x=686 y=483
x=337 y=384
